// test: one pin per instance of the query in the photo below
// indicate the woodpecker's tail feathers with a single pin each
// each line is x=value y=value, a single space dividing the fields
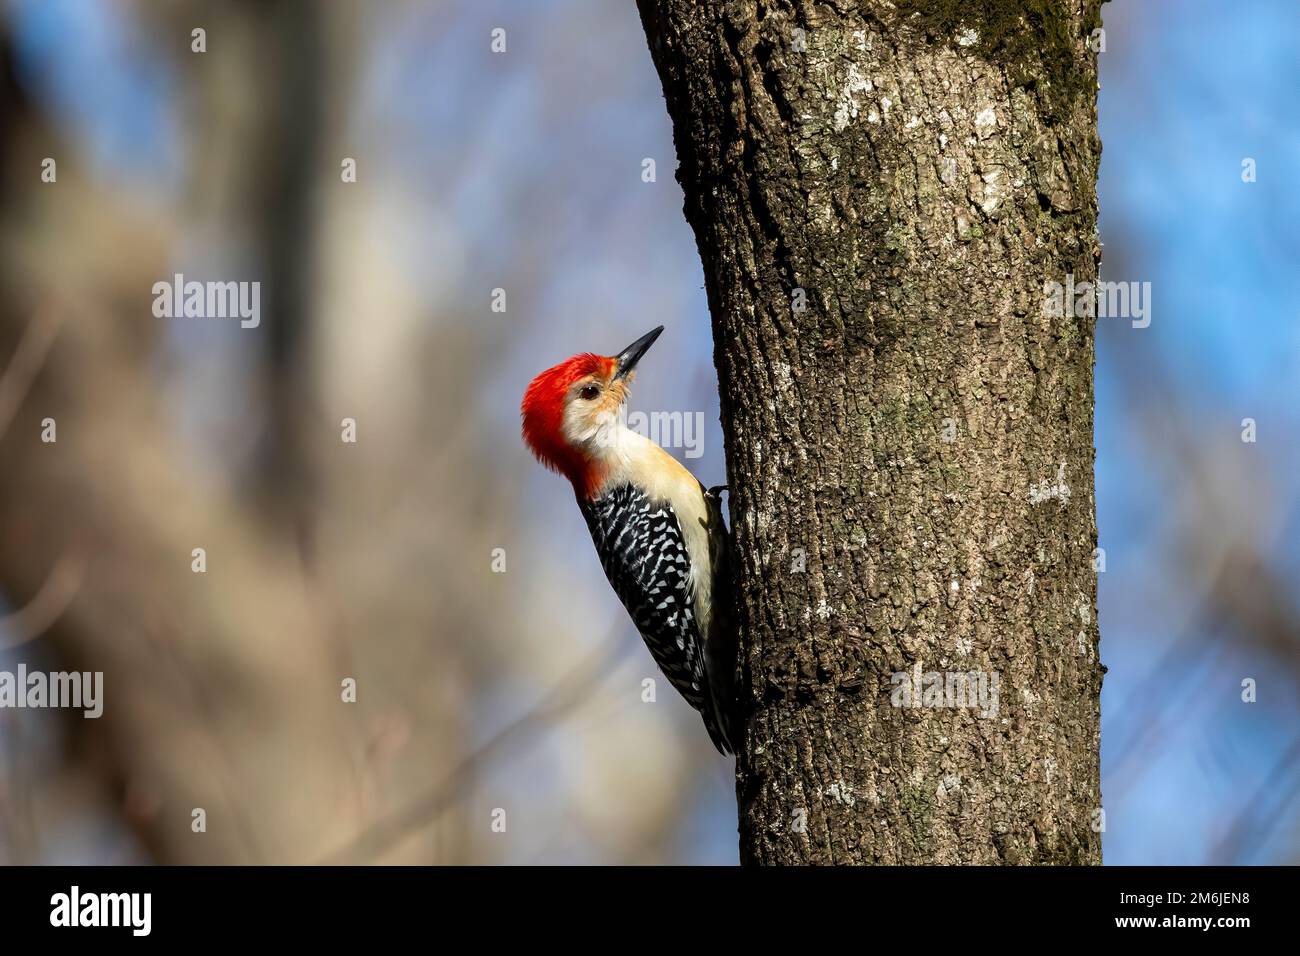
x=716 y=724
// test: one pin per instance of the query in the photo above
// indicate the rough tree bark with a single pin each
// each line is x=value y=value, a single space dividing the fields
x=879 y=192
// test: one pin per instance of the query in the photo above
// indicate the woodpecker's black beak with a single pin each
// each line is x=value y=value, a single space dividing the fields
x=628 y=358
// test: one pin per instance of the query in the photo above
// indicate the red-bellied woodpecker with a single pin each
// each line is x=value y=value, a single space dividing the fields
x=658 y=532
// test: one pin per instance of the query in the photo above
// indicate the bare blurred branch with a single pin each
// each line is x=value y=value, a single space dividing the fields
x=49 y=604
x=1261 y=811
x=26 y=362
x=574 y=690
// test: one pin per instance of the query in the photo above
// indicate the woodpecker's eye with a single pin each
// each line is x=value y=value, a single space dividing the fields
x=589 y=392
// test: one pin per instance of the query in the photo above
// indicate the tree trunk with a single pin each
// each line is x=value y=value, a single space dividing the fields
x=879 y=192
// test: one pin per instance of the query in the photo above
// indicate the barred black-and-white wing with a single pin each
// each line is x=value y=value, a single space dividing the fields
x=646 y=560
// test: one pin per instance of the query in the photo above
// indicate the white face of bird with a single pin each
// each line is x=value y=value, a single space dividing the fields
x=594 y=422
x=593 y=416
